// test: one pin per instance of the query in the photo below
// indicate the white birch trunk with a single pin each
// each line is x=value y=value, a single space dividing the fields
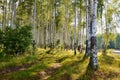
x=47 y=30
x=3 y=18
x=75 y=27
x=14 y=14
x=34 y=22
x=87 y=28
x=93 y=55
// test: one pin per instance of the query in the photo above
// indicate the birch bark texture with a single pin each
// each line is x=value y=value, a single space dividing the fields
x=93 y=51
x=34 y=19
x=75 y=27
x=87 y=27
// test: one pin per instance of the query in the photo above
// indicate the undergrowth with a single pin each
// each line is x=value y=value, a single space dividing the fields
x=72 y=67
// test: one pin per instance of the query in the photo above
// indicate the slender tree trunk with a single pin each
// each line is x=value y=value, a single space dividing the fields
x=51 y=25
x=83 y=37
x=9 y=9
x=55 y=24
x=106 y=32
x=34 y=21
x=79 y=28
x=14 y=14
x=93 y=56
x=66 y=27
x=87 y=28
x=4 y=15
x=47 y=30
x=75 y=27
x=101 y=32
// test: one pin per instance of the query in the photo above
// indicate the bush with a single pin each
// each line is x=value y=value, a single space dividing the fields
x=17 y=40
x=1 y=40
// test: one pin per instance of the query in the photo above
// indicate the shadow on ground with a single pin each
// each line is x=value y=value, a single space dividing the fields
x=101 y=73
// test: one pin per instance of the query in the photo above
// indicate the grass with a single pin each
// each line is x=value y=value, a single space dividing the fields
x=29 y=67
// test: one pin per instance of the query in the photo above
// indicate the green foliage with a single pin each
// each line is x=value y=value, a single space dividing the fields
x=99 y=41
x=1 y=55
x=1 y=40
x=112 y=43
x=16 y=40
x=118 y=42
x=100 y=8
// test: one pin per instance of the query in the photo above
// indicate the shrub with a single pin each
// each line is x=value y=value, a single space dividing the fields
x=17 y=40
x=1 y=40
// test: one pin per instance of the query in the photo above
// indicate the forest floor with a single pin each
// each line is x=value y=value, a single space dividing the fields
x=58 y=65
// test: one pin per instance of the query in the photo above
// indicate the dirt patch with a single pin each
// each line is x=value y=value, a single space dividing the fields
x=49 y=71
x=103 y=75
x=17 y=68
x=66 y=76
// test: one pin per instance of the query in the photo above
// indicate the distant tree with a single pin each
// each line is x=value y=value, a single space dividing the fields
x=117 y=46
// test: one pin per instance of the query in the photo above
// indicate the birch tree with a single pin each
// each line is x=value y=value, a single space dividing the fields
x=93 y=51
x=87 y=27
x=34 y=24
x=4 y=13
x=75 y=44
